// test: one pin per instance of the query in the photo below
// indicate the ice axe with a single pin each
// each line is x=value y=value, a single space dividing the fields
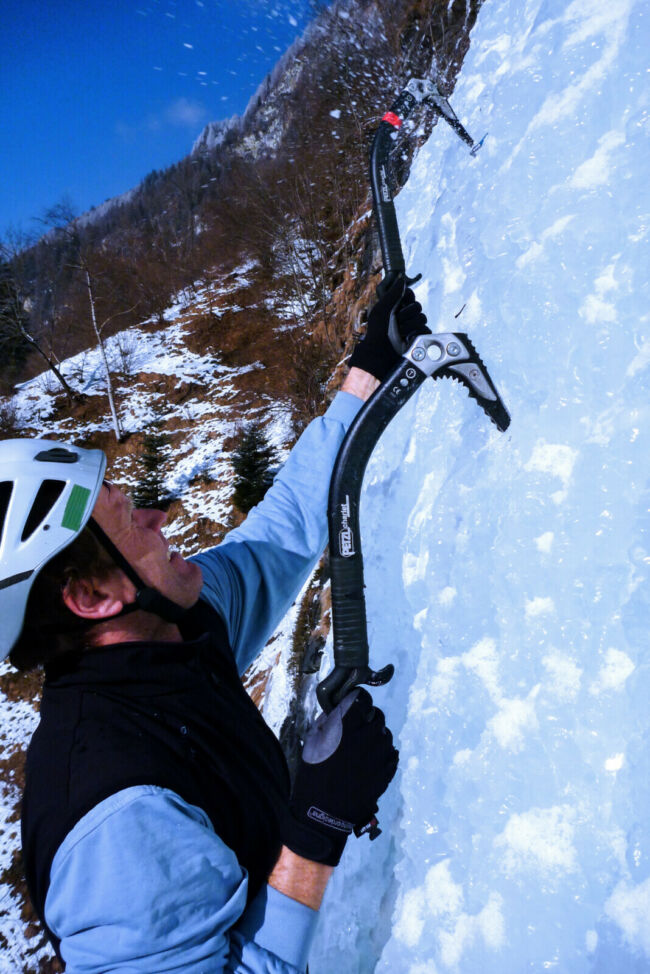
x=449 y=354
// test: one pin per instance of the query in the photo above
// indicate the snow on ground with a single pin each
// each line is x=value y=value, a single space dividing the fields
x=198 y=470
x=516 y=836
x=18 y=721
x=163 y=353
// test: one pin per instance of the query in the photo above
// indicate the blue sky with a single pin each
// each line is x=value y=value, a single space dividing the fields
x=96 y=94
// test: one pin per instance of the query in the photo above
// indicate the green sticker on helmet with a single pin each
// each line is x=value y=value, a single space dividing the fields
x=75 y=508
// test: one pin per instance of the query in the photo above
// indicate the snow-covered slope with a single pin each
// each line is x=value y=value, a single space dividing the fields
x=202 y=401
x=147 y=365
x=213 y=135
x=516 y=837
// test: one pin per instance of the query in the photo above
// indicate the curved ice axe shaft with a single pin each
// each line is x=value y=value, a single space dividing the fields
x=448 y=354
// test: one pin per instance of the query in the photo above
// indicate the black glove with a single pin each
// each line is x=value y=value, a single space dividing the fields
x=375 y=352
x=347 y=762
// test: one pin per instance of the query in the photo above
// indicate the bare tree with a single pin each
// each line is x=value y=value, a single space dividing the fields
x=97 y=328
x=16 y=336
x=63 y=220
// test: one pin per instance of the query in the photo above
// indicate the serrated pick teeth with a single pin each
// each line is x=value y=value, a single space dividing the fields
x=493 y=409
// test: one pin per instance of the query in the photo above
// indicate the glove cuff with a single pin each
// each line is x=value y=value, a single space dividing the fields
x=319 y=844
x=378 y=362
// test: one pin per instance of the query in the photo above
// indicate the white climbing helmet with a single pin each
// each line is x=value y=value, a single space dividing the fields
x=47 y=494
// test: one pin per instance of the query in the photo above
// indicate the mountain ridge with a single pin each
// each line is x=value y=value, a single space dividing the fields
x=264 y=275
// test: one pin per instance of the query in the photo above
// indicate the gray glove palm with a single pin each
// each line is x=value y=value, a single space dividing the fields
x=347 y=763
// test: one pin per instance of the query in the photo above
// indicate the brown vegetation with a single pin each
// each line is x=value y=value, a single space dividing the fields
x=283 y=188
x=287 y=190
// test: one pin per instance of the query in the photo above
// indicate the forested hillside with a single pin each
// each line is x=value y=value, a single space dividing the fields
x=224 y=291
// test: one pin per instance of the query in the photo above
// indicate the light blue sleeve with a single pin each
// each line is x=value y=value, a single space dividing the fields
x=143 y=885
x=255 y=574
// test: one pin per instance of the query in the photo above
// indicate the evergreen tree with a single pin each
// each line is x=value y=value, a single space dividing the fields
x=150 y=491
x=252 y=461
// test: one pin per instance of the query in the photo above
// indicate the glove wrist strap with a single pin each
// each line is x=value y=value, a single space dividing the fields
x=314 y=844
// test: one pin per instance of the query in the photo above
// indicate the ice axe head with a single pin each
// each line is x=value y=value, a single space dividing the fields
x=343 y=679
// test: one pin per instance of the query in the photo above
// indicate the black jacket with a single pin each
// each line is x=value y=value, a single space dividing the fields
x=168 y=714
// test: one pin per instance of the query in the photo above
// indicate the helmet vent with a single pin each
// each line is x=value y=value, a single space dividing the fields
x=47 y=496
x=6 y=488
x=58 y=454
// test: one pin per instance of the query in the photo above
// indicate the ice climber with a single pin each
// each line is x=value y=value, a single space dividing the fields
x=159 y=828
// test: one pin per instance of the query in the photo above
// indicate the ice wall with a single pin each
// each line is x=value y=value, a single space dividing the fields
x=508 y=574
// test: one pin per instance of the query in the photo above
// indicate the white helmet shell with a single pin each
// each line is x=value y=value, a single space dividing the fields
x=47 y=494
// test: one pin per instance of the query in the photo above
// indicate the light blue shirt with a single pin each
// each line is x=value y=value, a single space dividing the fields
x=142 y=883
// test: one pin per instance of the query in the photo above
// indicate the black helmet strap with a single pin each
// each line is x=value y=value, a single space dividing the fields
x=147 y=599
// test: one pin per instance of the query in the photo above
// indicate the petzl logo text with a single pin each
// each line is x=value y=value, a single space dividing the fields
x=385 y=190
x=346 y=538
x=318 y=815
